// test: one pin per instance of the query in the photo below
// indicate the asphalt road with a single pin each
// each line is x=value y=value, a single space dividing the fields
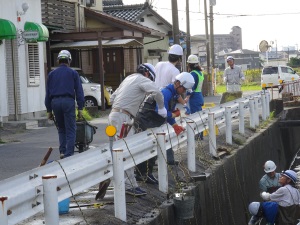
x=25 y=150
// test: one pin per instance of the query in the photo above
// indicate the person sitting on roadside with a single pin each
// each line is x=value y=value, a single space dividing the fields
x=270 y=181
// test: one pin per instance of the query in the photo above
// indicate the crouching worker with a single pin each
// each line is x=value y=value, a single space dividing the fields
x=148 y=117
x=287 y=197
x=259 y=210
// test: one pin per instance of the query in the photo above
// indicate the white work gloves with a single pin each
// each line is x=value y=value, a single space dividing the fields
x=162 y=112
x=265 y=196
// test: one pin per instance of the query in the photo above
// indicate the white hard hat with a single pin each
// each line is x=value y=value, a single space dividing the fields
x=269 y=166
x=175 y=50
x=64 y=54
x=193 y=59
x=290 y=174
x=229 y=58
x=253 y=208
x=186 y=79
x=149 y=68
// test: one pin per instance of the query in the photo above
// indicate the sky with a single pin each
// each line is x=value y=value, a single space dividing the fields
x=276 y=21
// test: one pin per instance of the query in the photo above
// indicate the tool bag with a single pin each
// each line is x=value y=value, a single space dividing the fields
x=84 y=133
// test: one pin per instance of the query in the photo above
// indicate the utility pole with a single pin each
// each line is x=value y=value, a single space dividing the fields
x=212 y=45
x=175 y=27
x=209 y=82
x=188 y=34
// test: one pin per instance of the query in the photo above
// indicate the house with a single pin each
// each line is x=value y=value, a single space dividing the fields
x=22 y=71
x=155 y=48
x=101 y=39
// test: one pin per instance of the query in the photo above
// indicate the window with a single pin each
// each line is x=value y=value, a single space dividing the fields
x=290 y=71
x=284 y=69
x=33 y=64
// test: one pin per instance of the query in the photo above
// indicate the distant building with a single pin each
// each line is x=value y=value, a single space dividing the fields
x=233 y=41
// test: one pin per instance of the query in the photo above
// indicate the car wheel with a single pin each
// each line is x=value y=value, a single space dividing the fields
x=90 y=102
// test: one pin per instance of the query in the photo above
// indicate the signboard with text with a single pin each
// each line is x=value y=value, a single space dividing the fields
x=28 y=35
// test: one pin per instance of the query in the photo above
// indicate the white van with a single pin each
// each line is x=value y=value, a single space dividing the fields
x=275 y=75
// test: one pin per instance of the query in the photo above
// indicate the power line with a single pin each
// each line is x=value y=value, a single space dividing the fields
x=266 y=14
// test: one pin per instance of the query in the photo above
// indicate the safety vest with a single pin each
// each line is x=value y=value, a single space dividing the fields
x=200 y=81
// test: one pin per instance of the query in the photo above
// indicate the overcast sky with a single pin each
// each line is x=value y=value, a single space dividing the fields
x=270 y=20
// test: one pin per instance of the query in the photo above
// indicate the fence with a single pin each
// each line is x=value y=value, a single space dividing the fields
x=42 y=188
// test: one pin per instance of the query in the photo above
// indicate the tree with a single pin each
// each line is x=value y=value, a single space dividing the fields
x=294 y=62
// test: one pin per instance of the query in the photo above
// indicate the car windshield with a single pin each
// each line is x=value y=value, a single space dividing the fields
x=84 y=79
x=270 y=70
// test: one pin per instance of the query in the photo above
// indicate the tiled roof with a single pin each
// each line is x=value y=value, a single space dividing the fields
x=112 y=2
x=128 y=12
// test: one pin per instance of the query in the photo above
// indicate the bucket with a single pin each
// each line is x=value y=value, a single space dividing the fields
x=184 y=206
x=63 y=206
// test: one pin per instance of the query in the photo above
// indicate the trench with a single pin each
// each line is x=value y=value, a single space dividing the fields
x=223 y=198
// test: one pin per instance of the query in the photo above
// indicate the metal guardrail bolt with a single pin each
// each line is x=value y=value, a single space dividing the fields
x=154 y=142
x=152 y=151
x=124 y=159
x=9 y=212
x=33 y=177
x=104 y=150
x=167 y=141
x=106 y=172
x=108 y=161
x=58 y=189
x=149 y=134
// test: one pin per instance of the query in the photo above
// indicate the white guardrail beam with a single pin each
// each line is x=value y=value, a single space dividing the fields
x=87 y=169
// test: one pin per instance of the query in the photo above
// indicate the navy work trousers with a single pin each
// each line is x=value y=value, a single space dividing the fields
x=64 y=112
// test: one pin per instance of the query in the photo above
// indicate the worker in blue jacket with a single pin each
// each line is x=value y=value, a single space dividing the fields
x=195 y=98
x=148 y=117
x=258 y=210
x=183 y=83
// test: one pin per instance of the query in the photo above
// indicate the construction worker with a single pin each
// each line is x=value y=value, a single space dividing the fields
x=166 y=71
x=259 y=210
x=63 y=87
x=287 y=197
x=270 y=181
x=165 y=75
x=125 y=104
x=233 y=76
x=195 y=98
x=147 y=118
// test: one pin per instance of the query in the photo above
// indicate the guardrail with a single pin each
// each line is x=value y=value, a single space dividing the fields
x=42 y=188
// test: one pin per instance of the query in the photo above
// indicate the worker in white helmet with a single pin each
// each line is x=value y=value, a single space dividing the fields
x=166 y=73
x=287 y=197
x=270 y=181
x=259 y=210
x=233 y=76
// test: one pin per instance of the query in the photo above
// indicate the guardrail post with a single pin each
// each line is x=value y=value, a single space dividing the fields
x=191 y=160
x=50 y=199
x=3 y=210
x=119 y=184
x=162 y=163
x=268 y=104
x=228 y=125
x=212 y=134
x=242 y=117
x=256 y=113
x=263 y=106
x=252 y=118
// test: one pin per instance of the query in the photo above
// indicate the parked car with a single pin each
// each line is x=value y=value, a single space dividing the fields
x=92 y=91
x=275 y=75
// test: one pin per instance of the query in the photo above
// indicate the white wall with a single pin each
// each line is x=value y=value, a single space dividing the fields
x=32 y=98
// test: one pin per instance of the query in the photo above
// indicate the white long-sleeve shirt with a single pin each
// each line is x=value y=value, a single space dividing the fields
x=286 y=196
x=132 y=91
x=165 y=74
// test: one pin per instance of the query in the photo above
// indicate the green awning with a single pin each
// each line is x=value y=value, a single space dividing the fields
x=7 y=30
x=43 y=33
